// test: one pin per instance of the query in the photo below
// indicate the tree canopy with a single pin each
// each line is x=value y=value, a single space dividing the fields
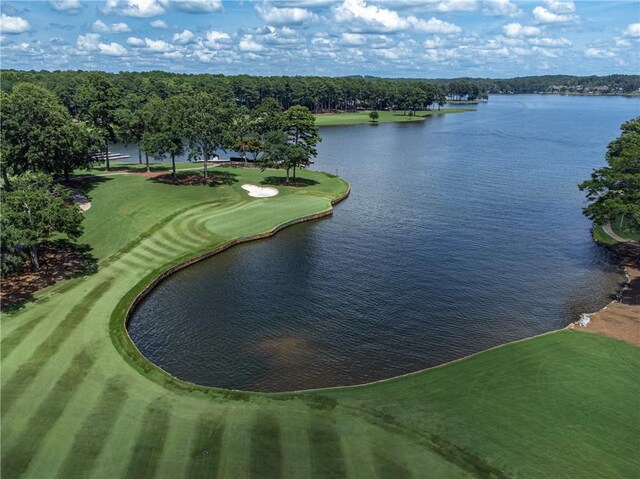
x=614 y=190
x=38 y=134
x=34 y=211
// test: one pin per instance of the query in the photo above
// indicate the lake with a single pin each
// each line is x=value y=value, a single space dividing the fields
x=461 y=233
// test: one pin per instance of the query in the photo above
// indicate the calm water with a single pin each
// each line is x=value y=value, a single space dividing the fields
x=461 y=233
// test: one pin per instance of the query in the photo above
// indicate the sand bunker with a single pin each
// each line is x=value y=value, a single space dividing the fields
x=260 y=191
x=82 y=201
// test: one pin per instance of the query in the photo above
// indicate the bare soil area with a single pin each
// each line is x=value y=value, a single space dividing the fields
x=620 y=319
x=57 y=262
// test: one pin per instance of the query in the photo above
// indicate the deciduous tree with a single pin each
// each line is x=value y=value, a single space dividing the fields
x=614 y=190
x=34 y=211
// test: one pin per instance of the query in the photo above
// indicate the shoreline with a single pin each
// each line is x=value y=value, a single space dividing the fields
x=631 y=273
x=617 y=319
x=123 y=322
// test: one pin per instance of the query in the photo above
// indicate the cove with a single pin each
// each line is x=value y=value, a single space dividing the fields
x=462 y=232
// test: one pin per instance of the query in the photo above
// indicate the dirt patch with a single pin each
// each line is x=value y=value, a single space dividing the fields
x=57 y=262
x=620 y=319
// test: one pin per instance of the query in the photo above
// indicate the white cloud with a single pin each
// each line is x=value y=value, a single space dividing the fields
x=632 y=31
x=388 y=54
x=194 y=6
x=135 y=42
x=550 y=42
x=369 y=41
x=500 y=8
x=183 y=38
x=434 y=25
x=598 y=53
x=305 y=3
x=517 y=30
x=363 y=17
x=440 y=6
x=205 y=56
x=216 y=40
x=69 y=6
x=285 y=16
x=542 y=15
x=622 y=42
x=161 y=24
x=560 y=6
x=134 y=8
x=449 y=6
x=90 y=42
x=157 y=46
x=248 y=44
x=112 y=49
x=173 y=55
x=100 y=26
x=9 y=24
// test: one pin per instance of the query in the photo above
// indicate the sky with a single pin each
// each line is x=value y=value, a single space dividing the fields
x=387 y=38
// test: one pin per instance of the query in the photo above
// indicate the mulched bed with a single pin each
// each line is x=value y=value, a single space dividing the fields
x=56 y=263
x=193 y=179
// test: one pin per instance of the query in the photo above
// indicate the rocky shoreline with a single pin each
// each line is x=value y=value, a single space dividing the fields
x=620 y=319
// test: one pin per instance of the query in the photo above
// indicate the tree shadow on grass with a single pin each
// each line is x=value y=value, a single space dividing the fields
x=217 y=178
x=282 y=181
x=133 y=168
x=60 y=259
x=85 y=184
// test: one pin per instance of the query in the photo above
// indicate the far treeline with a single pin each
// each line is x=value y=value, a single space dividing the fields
x=568 y=84
x=318 y=94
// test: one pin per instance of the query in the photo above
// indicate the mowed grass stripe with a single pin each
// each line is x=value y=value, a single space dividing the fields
x=266 y=453
x=295 y=444
x=205 y=450
x=389 y=467
x=185 y=243
x=17 y=457
x=89 y=440
x=150 y=441
x=327 y=456
x=27 y=372
x=160 y=254
x=16 y=337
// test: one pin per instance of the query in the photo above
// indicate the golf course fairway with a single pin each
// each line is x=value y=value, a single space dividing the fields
x=79 y=401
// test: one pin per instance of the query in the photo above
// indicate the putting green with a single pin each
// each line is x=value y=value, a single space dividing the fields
x=77 y=401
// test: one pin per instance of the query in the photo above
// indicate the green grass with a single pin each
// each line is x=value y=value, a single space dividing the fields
x=362 y=117
x=601 y=237
x=626 y=228
x=79 y=401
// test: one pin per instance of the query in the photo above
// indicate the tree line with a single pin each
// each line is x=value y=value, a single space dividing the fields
x=622 y=84
x=318 y=94
x=42 y=139
x=614 y=190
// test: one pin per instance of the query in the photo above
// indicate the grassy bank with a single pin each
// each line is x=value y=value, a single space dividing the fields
x=77 y=404
x=625 y=228
x=362 y=117
x=463 y=102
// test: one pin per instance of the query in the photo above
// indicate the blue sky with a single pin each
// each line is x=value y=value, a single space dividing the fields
x=390 y=38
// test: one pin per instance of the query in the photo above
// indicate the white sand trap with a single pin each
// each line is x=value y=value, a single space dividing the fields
x=260 y=191
x=82 y=201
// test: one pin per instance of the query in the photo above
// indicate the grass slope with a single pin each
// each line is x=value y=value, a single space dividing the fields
x=77 y=404
x=362 y=117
